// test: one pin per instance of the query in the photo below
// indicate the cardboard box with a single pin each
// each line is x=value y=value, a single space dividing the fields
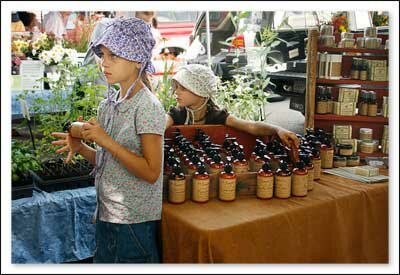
x=342 y=131
x=380 y=74
x=348 y=95
x=367 y=171
x=344 y=108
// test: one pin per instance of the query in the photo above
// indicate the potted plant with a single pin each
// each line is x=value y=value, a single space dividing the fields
x=74 y=93
x=23 y=159
x=164 y=88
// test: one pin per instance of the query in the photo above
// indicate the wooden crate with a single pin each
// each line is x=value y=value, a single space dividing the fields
x=246 y=183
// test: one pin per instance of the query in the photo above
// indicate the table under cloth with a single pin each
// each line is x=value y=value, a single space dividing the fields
x=340 y=221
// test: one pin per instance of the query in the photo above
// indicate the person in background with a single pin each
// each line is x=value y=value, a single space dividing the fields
x=129 y=135
x=54 y=23
x=194 y=86
x=16 y=24
x=149 y=18
x=30 y=21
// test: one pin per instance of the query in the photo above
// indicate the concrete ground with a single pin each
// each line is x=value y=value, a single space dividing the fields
x=280 y=114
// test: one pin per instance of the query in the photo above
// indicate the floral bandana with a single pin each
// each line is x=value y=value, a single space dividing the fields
x=129 y=38
x=198 y=79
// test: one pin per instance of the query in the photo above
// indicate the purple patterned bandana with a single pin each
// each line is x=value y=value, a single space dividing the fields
x=129 y=38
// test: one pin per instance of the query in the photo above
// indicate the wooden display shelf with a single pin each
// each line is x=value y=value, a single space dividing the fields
x=370 y=119
x=352 y=50
x=377 y=154
x=351 y=81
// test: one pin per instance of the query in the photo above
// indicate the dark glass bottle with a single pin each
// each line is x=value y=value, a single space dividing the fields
x=176 y=185
x=227 y=184
x=265 y=182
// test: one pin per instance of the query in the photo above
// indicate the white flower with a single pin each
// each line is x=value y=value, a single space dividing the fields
x=36 y=45
x=33 y=51
x=54 y=77
x=57 y=56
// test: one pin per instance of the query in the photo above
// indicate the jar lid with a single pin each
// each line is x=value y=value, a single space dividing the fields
x=365 y=131
x=367 y=143
x=346 y=146
x=338 y=158
x=353 y=157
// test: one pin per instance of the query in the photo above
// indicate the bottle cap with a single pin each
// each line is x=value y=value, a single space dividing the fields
x=228 y=168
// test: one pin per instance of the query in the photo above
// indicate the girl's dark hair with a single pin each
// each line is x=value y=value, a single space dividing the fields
x=146 y=79
x=26 y=17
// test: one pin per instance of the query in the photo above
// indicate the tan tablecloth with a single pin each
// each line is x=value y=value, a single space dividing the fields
x=340 y=221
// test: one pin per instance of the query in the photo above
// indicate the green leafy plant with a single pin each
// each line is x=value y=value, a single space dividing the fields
x=241 y=97
x=229 y=42
x=73 y=90
x=22 y=159
x=245 y=95
x=164 y=88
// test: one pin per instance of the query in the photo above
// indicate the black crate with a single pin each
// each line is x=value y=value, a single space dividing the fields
x=23 y=191
x=58 y=176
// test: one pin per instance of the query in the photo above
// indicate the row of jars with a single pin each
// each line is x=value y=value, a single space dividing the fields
x=283 y=183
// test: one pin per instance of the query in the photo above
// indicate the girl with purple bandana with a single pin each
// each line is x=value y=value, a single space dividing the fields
x=194 y=86
x=129 y=134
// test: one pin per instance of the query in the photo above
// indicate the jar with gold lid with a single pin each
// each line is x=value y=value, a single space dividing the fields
x=346 y=149
x=353 y=160
x=339 y=161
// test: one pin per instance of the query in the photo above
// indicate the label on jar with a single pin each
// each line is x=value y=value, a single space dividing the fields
x=240 y=168
x=372 y=109
x=322 y=107
x=363 y=109
x=265 y=187
x=282 y=186
x=310 y=183
x=346 y=152
x=339 y=163
x=317 y=168
x=200 y=190
x=177 y=191
x=227 y=189
x=299 y=185
x=214 y=171
x=326 y=158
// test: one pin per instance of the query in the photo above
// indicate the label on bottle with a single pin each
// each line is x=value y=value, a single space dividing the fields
x=240 y=168
x=327 y=158
x=76 y=129
x=372 y=109
x=200 y=190
x=227 y=189
x=299 y=185
x=177 y=191
x=310 y=184
x=265 y=187
x=214 y=171
x=363 y=109
x=317 y=168
x=282 y=186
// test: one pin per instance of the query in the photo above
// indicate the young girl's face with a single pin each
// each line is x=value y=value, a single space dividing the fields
x=115 y=68
x=186 y=98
